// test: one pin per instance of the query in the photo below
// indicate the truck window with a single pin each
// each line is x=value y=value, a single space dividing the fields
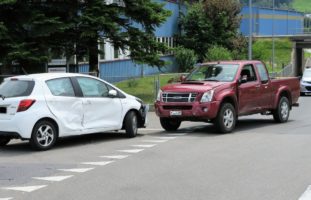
x=262 y=73
x=249 y=72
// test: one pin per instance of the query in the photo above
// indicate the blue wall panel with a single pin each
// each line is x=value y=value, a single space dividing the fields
x=285 y=22
x=118 y=70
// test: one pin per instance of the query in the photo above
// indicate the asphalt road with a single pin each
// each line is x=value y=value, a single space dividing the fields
x=261 y=160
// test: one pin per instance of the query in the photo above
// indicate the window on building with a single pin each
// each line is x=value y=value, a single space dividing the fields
x=116 y=52
x=102 y=51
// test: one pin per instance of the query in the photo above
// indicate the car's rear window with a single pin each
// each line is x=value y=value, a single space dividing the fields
x=16 y=88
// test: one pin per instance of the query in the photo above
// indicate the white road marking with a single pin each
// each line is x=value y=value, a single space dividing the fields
x=143 y=145
x=8 y=198
x=26 y=188
x=155 y=141
x=165 y=138
x=307 y=194
x=52 y=178
x=131 y=150
x=118 y=157
x=101 y=163
x=77 y=170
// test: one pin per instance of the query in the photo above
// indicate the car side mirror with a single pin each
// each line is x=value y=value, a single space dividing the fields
x=243 y=79
x=112 y=93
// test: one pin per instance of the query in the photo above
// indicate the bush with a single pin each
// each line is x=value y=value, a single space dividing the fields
x=185 y=58
x=218 y=53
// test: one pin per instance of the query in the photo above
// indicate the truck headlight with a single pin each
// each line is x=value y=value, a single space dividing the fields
x=207 y=96
x=159 y=95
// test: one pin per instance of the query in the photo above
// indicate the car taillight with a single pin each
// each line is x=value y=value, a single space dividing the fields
x=25 y=104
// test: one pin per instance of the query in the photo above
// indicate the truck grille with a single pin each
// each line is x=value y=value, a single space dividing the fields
x=178 y=97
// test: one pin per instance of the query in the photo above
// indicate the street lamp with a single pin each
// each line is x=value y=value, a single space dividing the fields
x=250 y=30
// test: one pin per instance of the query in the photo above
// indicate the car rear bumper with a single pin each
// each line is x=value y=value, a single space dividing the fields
x=195 y=111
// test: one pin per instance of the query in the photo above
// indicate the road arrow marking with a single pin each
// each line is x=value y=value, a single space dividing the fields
x=53 y=178
x=143 y=145
x=307 y=194
x=98 y=163
x=77 y=170
x=26 y=188
x=118 y=157
x=131 y=150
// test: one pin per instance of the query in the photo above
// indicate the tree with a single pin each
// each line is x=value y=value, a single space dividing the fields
x=185 y=58
x=76 y=27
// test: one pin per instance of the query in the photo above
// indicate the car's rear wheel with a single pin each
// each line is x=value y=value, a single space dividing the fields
x=4 y=141
x=170 y=124
x=44 y=135
x=226 y=119
x=281 y=114
x=131 y=124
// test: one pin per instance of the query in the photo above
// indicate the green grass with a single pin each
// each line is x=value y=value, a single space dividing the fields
x=302 y=5
x=144 y=88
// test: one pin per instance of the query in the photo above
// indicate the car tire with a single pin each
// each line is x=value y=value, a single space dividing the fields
x=131 y=124
x=44 y=135
x=281 y=114
x=226 y=119
x=170 y=124
x=4 y=141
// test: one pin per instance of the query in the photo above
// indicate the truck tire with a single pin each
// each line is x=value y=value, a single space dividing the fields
x=44 y=135
x=226 y=118
x=170 y=124
x=130 y=124
x=281 y=113
x=4 y=141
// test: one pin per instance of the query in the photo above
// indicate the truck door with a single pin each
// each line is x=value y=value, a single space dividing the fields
x=266 y=98
x=249 y=91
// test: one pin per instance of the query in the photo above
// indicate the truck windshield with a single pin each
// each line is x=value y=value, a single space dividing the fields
x=218 y=72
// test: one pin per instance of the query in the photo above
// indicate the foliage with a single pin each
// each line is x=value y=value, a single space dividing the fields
x=218 y=53
x=262 y=50
x=185 y=58
x=302 y=5
x=75 y=27
x=208 y=23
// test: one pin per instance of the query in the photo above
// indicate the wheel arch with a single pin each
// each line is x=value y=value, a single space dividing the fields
x=283 y=93
x=140 y=118
x=50 y=120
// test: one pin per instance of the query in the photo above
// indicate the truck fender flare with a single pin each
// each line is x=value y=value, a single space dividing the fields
x=282 y=91
x=231 y=98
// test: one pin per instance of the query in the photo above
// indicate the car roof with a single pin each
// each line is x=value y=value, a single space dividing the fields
x=46 y=76
x=240 y=62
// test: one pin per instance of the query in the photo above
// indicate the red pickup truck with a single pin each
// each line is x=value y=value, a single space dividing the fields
x=221 y=92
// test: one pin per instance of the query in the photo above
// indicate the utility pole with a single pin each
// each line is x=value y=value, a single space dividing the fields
x=273 y=42
x=250 y=34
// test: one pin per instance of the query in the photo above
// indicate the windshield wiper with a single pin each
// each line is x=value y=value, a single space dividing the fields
x=2 y=96
x=212 y=80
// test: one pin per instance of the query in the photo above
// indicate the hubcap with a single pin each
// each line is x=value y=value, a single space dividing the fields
x=45 y=135
x=284 y=110
x=228 y=118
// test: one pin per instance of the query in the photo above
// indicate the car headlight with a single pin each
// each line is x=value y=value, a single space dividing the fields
x=159 y=95
x=207 y=96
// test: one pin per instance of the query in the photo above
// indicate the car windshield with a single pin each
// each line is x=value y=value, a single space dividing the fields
x=16 y=88
x=217 y=72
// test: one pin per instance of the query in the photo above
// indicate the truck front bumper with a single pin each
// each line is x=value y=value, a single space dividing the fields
x=195 y=111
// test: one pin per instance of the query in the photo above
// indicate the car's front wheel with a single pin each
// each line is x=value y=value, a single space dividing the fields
x=226 y=118
x=170 y=124
x=44 y=135
x=131 y=124
x=4 y=141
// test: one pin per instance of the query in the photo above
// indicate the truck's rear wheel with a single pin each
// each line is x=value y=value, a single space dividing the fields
x=170 y=124
x=281 y=113
x=226 y=118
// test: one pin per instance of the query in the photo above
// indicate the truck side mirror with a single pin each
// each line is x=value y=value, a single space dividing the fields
x=182 y=78
x=243 y=79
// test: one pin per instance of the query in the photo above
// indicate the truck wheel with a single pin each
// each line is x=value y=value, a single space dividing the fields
x=226 y=118
x=130 y=124
x=281 y=114
x=4 y=141
x=44 y=135
x=170 y=124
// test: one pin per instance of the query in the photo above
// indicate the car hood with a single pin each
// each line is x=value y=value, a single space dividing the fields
x=192 y=86
x=306 y=79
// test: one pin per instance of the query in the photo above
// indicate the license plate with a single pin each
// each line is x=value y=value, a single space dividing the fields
x=175 y=113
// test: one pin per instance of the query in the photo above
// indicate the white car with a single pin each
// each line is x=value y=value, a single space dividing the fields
x=305 y=82
x=43 y=107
